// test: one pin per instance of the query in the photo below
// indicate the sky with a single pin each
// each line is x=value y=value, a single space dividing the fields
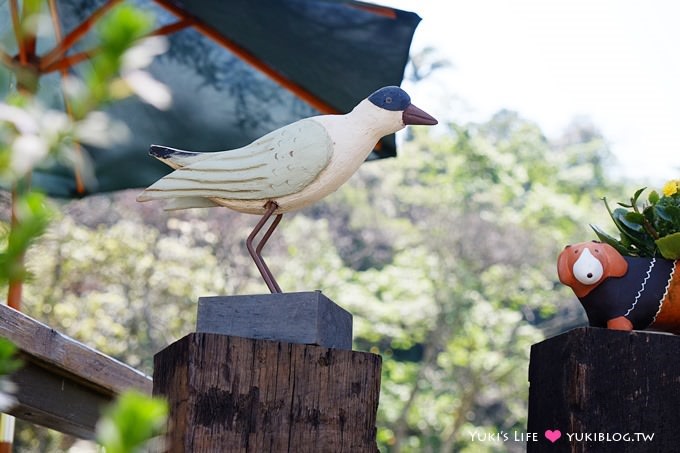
x=616 y=62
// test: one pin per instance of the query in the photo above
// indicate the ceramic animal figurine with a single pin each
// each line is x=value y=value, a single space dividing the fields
x=285 y=170
x=621 y=292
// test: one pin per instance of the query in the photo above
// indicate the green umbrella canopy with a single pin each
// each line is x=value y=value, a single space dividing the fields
x=237 y=70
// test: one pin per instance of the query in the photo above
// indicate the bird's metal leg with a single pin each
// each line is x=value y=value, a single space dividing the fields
x=255 y=251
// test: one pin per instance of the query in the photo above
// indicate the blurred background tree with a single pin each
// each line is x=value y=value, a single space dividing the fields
x=445 y=256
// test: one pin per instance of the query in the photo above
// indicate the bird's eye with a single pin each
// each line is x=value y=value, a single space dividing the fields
x=388 y=100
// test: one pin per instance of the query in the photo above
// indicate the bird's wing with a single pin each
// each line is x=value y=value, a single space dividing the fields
x=280 y=163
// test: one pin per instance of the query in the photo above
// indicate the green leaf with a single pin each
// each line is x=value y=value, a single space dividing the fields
x=669 y=246
x=653 y=197
x=635 y=217
x=637 y=195
x=131 y=422
x=662 y=213
x=674 y=213
x=608 y=239
x=636 y=233
x=122 y=26
x=8 y=361
x=625 y=225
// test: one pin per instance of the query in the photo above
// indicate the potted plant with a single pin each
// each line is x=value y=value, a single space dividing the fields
x=650 y=231
x=632 y=282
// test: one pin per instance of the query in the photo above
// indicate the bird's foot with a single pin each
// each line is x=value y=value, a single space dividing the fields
x=255 y=250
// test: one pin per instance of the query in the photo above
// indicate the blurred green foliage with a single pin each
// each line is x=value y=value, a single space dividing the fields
x=8 y=359
x=116 y=33
x=33 y=216
x=128 y=424
x=32 y=135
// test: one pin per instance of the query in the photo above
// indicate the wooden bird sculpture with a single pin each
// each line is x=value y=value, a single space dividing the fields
x=622 y=292
x=285 y=170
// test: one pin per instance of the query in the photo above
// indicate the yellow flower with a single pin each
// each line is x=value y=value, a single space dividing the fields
x=671 y=187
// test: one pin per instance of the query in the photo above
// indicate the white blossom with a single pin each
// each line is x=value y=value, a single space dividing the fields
x=149 y=89
x=141 y=82
x=27 y=151
x=98 y=129
x=142 y=54
x=22 y=120
x=73 y=87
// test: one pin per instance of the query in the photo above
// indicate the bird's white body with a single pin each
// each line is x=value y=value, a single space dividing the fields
x=294 y=166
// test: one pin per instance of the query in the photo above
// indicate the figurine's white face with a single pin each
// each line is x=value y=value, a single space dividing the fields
x=587 y=269
x=585 y=265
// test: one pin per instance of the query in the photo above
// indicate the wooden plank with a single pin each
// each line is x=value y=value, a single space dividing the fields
x=303 y=317
x=64 y=382
x=57 y=401
x=605 y=390
x=234 y=394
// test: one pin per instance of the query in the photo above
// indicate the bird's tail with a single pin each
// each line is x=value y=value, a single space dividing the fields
x=175 y=158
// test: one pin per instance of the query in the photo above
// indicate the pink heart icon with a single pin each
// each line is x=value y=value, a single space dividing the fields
x=553 y=435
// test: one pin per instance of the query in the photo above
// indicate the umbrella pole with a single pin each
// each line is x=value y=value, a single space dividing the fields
x=6 y=433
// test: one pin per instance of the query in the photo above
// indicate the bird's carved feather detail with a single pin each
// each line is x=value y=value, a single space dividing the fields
x=188 y=180
x=235 y=169
x=249 y=173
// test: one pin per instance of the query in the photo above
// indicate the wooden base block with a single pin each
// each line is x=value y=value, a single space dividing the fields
x=605 y=391
x=234 y=394
x=304 y=317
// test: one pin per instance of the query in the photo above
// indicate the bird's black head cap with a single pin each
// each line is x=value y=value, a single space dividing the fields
x=390 y=98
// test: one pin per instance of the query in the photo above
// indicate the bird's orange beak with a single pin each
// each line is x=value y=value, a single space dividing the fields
x=414 y=116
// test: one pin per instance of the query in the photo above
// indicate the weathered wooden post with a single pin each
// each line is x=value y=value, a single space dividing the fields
x=601 y=390
x=269 y=373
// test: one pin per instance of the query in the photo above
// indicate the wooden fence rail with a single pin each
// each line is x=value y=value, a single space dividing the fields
x=64 y=383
